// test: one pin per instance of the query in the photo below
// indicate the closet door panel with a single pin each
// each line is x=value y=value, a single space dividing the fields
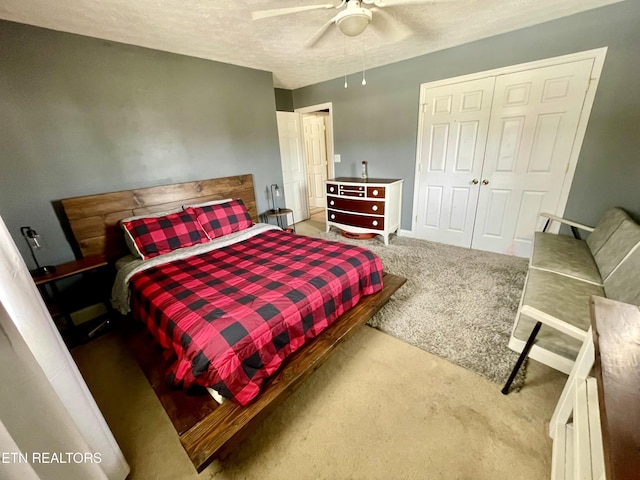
x=534 y=120
x=453 y=130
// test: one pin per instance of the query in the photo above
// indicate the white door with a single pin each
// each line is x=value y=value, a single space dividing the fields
x=315 y=148
x=534 y=120
x=293 y=168
x=516 y=133
x=454 y=124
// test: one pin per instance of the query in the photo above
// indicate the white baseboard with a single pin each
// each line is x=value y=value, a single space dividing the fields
x=405 y=233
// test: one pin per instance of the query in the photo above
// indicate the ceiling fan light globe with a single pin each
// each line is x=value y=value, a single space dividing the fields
x=353 y=21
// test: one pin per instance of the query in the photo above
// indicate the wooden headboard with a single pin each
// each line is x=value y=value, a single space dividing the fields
x=94 y=219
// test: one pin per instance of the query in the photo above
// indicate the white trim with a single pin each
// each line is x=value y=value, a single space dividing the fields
x=405 y=233
x=598 y=55
x=314 y=108
x=331 y=168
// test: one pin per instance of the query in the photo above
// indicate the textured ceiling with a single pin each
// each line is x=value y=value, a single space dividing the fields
x=223 y=30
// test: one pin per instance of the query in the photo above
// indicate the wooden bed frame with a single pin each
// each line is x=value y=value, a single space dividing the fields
x=206 y=429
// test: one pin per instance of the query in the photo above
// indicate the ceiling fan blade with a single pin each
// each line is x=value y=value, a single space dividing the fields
x=285 y=11
x=319 y=33
x=389 y=26
x=397 y=3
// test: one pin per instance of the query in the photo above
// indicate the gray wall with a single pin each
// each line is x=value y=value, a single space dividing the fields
x=284 y=100
x=83 y=116
x=378 y=122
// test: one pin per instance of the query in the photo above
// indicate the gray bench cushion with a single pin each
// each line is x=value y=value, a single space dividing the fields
x=562 y=297
x=616 y=248
x=605 y=228
x=565 y=255
x=624 y=283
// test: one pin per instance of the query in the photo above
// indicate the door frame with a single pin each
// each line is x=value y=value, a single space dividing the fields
x=598 y=55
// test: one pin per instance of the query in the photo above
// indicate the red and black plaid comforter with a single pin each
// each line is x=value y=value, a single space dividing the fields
x=232 y=315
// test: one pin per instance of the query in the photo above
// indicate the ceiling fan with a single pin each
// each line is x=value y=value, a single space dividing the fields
x=353 y=18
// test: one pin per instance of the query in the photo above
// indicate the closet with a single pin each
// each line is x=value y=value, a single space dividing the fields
x=497 y=148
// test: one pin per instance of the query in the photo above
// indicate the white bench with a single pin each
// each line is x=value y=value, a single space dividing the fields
x=564 y=272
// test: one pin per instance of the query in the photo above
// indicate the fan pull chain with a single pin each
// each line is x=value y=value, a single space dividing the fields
x=344 y=44
x=364 y=79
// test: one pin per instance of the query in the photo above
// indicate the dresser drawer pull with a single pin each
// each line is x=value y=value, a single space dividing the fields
x=374 y=208
x=333 y=216
x=332 y=203
x=332 y=189
x=375 y=223
x=375 y=192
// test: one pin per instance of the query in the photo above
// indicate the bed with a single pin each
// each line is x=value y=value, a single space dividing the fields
x=293 y=298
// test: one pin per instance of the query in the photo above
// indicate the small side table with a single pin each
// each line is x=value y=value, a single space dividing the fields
x=51 y=295
x=279 y=214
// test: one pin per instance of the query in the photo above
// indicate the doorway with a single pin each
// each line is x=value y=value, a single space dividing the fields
x=315 y=151
x=317 y=139
x=497 y=148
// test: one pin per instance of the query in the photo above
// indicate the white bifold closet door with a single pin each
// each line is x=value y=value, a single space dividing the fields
x=494 y=153
x=452 y=151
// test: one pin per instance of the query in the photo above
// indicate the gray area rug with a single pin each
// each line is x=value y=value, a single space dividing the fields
x=458 y=303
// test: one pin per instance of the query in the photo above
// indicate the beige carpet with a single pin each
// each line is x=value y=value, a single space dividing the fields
x=378 y=409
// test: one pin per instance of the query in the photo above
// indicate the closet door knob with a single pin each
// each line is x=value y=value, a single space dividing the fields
x=474 y=181
x=485 y=182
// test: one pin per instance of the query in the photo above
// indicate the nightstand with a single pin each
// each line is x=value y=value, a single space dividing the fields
x=58 y=307
x=279 y=214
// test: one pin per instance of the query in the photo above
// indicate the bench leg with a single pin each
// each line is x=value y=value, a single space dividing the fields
x=522 y=357
x=575 y=232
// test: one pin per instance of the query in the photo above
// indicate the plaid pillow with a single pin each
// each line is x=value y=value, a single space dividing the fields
x=224 y=218
x=154 y=236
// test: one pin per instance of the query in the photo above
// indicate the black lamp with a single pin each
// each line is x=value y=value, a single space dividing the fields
x=275 y=192
x=33 y=240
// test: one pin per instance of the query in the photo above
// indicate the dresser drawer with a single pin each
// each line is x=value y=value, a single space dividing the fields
x=358 y=206
x=332 y=188
x=364 y=221
x=352 y=193
x=375 y=192
x=352 y=188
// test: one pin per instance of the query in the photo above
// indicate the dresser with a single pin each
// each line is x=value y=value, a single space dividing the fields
x=364 y=206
